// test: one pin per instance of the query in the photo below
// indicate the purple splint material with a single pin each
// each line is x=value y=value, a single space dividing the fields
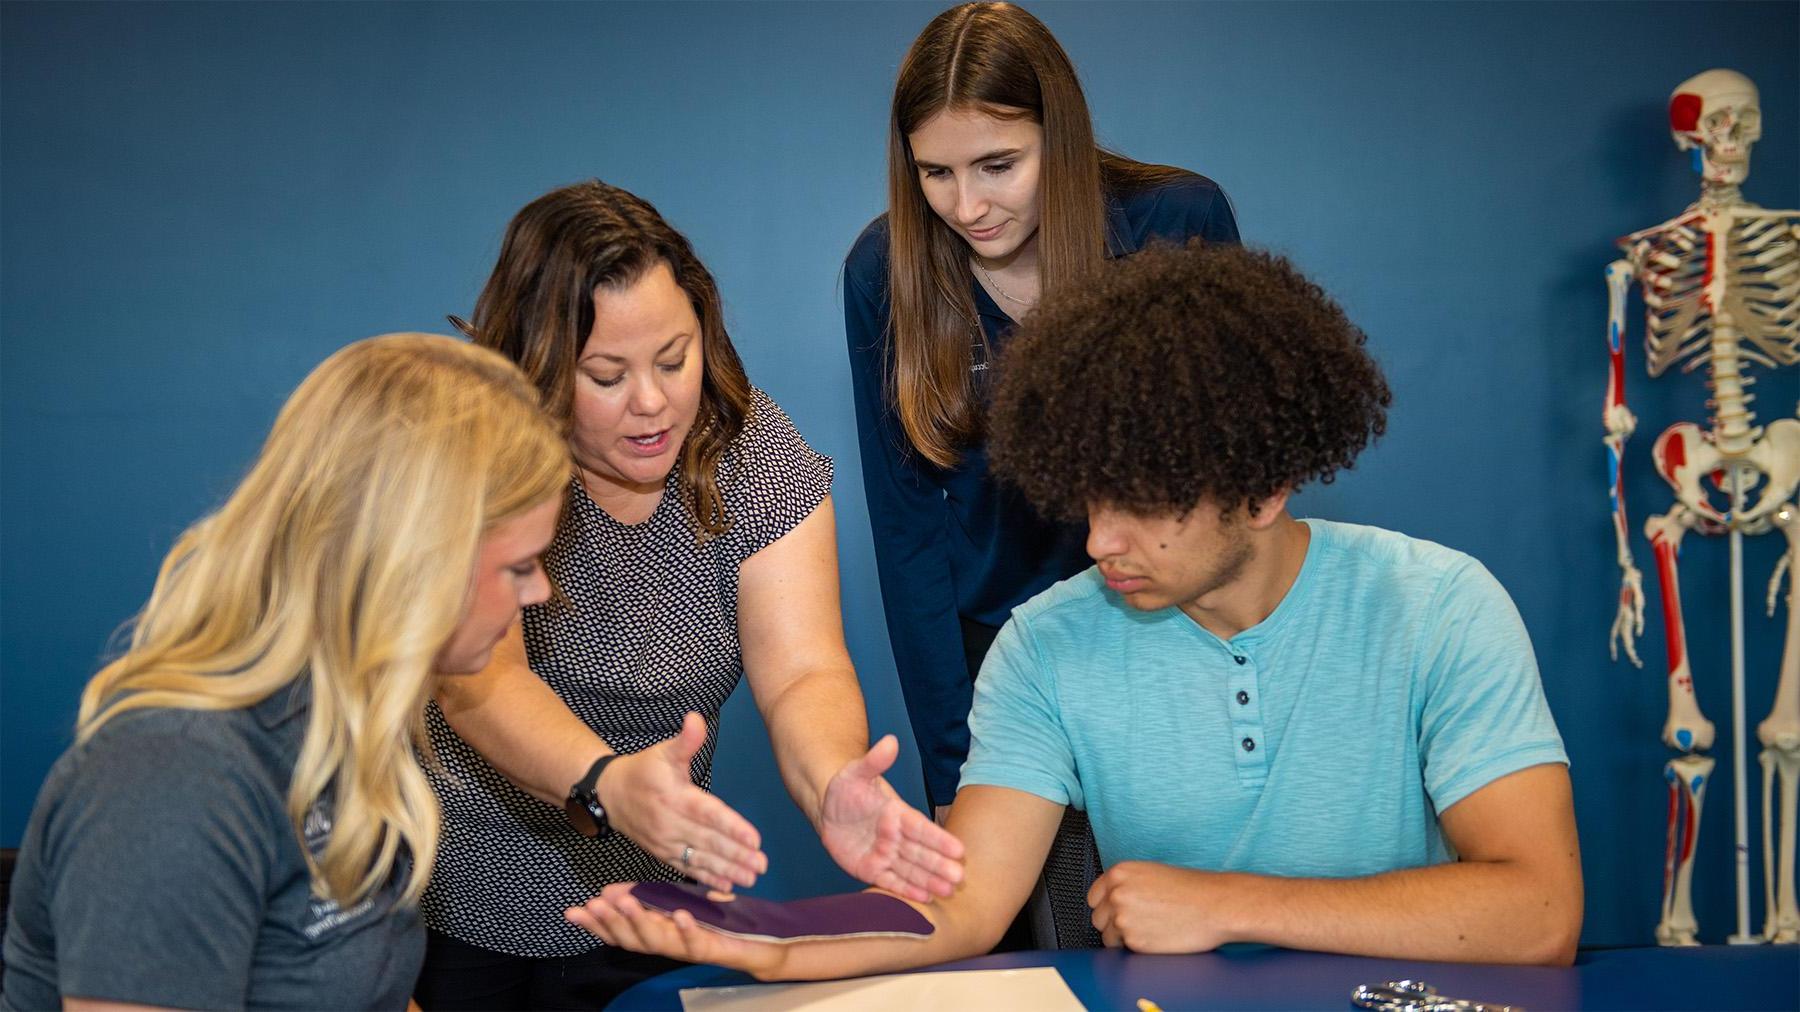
x=845 y=915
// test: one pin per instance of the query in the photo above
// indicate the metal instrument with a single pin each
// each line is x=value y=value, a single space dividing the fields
x=1417 y=996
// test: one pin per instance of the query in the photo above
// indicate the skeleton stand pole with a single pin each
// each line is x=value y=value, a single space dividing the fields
x=1739 y=805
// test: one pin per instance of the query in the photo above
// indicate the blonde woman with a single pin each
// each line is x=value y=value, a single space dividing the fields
x=242 y=820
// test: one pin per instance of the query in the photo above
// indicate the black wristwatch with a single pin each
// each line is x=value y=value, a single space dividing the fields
x=583 y=806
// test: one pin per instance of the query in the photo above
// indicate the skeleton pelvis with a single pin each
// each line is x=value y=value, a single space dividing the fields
x=1685 y=454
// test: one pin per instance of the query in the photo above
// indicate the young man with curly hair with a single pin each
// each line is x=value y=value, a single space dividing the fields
x=1298 y=732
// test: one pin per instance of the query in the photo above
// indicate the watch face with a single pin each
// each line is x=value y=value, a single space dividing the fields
x=580 y=817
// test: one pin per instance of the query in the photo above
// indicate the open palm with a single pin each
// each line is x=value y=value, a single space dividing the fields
x=880 y=839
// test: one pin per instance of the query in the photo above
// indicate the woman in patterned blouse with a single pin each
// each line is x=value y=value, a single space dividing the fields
x=697 y=546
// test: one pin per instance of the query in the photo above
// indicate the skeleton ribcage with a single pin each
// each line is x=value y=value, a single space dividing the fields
x=1761 y=260
x=1765 y=284
x=1671 y=265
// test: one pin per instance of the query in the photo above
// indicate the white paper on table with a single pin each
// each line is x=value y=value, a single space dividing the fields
x=1036 y=989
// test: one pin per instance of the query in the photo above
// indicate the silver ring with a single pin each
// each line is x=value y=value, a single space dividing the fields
x=687 y=855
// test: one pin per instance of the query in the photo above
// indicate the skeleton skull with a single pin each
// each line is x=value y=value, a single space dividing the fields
x=1719 y=113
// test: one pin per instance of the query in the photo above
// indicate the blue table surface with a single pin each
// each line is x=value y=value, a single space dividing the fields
x=1707 y=977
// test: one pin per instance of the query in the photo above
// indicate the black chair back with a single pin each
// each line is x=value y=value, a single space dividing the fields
x=1058 y=910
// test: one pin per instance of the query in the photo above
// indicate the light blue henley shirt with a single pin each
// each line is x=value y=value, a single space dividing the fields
x=1394 y=679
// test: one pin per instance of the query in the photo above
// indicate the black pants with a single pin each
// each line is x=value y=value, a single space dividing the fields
x=457 y=975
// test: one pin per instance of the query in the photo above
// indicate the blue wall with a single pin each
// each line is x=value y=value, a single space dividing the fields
x=201 y=201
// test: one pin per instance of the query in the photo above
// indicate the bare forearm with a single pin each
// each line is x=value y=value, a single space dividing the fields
x=1009 y=832
x=522 y=728
x=1478 y=912
x=817 y=726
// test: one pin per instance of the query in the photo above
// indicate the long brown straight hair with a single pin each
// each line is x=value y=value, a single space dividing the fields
x=537 y=309
x=998 y=59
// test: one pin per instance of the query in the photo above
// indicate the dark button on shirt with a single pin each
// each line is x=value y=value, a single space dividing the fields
x=1249 y=744
x=1243 y=698
x=1240 y=658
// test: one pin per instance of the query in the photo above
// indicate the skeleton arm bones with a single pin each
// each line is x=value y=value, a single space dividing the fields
x=1628 y=622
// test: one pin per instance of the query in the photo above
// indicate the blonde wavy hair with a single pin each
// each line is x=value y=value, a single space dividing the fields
x=345 y=557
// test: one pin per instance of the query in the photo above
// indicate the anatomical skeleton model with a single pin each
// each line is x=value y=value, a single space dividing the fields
x=1721 y=288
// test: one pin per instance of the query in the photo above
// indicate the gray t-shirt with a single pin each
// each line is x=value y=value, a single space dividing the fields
x=160 y=867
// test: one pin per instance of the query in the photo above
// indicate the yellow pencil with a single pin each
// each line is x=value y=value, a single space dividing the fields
x=1146 y=1005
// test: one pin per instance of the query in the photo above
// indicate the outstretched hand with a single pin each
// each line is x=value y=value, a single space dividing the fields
x=650 y=797
x=619 y=919
x=879 y=838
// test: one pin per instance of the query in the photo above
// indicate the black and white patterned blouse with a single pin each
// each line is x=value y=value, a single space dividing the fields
x=649 y=632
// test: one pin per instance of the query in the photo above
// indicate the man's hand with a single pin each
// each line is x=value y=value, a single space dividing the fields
x=1149 y=907
x=619 y=919
x=874 y=835
x=650 y=797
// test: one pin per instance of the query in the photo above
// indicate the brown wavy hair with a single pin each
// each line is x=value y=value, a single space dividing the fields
x=998 y=59
x=537 y=309
x=1205 y=372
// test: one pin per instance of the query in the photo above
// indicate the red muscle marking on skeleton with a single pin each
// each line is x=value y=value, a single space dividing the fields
x=1615 y=386
x=1671 y=602
x=1684 y=111
x=1693 y=827
x=1669 y=850
x=1672 y=454
x=1706 y=280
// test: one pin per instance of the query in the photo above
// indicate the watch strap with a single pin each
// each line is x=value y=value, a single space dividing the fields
x=583 y=808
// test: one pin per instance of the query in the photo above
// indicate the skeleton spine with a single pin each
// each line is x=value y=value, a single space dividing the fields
x=1734 y=424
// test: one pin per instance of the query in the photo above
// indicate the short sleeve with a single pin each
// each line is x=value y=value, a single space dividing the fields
x=1016 y=736
x=1484 y=714
x=1212 y=218
x=770 y=479
x=1191 y=206
x=155 y=869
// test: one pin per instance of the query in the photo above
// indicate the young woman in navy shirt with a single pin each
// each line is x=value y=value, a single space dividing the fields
x=997 y=193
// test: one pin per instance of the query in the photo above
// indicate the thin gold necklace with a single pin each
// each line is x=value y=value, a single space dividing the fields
x=996 y=285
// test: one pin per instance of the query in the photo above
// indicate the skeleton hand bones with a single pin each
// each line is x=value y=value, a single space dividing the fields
x=1628 y=622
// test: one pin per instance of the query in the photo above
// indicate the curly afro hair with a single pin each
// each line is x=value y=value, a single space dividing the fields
x=1182 y=373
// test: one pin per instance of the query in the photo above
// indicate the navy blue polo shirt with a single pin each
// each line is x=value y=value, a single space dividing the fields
x=951 y=542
